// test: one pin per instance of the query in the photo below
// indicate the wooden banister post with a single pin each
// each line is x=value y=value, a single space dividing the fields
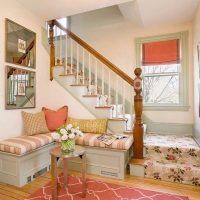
x=52 y=47
x=138 y=125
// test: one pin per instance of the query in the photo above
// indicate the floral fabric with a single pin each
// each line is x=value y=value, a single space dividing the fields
x=173 y=158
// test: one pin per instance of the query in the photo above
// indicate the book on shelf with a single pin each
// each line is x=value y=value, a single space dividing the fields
x=109 y=138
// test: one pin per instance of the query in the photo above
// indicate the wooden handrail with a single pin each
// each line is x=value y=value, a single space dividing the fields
x=104 y=60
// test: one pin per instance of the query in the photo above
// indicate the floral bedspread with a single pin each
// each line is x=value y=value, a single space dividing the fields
x=172 y=158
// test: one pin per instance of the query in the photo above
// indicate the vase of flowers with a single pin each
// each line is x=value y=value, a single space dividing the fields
x=66 y=135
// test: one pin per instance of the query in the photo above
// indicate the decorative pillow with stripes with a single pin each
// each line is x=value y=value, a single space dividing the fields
x=34 y=123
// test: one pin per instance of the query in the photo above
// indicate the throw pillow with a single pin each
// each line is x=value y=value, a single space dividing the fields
x=55 y=119
x=34 y=123
x=89 y=125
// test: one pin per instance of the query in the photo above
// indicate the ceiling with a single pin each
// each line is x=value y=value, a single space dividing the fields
x=51 y=9
x=157 y=12
x=141 y=12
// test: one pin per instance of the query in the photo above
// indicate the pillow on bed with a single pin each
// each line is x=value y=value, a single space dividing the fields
x=34 y=123
x=55 y=119
x=89 y=125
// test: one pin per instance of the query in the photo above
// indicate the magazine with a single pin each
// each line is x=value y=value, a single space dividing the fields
x=109 y=138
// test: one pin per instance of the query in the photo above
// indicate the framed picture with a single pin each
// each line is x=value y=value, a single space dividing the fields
x=20 y=45
x=20 y=88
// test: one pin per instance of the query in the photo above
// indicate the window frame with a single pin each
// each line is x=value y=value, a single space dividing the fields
x=183 y=76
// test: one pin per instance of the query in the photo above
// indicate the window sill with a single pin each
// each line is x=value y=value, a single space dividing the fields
x=166 y=108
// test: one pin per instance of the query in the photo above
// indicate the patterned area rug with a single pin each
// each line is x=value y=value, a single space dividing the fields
x=98 y=190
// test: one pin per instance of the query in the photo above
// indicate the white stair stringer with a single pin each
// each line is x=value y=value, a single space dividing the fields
x=78 y=92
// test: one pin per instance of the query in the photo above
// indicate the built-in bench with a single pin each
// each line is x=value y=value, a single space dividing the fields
x=24 y=158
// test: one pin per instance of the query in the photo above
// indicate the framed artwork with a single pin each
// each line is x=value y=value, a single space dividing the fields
x=20 y=88
x=20 y=45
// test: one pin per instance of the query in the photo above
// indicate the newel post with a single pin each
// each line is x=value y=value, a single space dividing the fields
x=138 y=125
x=52 y=47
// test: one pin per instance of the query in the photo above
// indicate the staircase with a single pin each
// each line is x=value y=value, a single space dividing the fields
x=100 y=86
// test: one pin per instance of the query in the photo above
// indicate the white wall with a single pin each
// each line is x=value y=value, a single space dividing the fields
x=112 y=36
x=196 y=40
x=47 y=93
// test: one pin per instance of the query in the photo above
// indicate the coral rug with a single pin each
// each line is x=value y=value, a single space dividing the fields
x=98 y=190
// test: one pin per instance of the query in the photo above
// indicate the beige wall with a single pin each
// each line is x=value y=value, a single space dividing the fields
x=47 y=93
x=196 y=40
x=111 y=35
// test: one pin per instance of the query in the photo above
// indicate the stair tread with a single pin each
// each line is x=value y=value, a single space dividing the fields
x=90 y=95
x=103 y=107
x=59 y=65
x=118 y=119
x=79 y=85
x=135 y=161
x=69 y=74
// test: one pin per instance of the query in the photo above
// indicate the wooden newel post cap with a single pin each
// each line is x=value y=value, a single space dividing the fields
x=137 y=84
x=138 y=71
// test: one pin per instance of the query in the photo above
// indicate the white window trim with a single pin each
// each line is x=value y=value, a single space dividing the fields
x=184 y=99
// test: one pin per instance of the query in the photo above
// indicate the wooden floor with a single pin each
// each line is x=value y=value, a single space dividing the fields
x=8 y=192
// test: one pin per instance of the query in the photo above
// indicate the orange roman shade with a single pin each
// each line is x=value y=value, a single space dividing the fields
x=161 y=53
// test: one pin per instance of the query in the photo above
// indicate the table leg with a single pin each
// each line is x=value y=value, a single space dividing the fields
x=65 y=171
x=83 y=175
x=54 y=177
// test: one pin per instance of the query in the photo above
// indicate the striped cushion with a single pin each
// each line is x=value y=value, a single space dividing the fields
x=90 y=139
x=23 y=144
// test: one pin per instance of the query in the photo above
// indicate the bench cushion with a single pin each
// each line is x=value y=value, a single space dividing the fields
x=24 y=144
x=90 y=139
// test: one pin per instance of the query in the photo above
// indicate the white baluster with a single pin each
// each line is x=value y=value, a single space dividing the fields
x=77 y=64
x=102 y=79
x=66 y=54
x=96 y=81
x=71 y=56
x=60 y=47
x=131 y=100
x=123 y=98
x=109 y=88
x=56 y=45
x=89 y=64
x=116 y=96
x=83 y=66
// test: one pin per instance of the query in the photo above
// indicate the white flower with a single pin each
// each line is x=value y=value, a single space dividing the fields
x=63 y=131
x=69 y=126
x=73 y=131
x=72 y=136
x=77 y=128
x=80 y=133
x=55 y=136
x=64 y=137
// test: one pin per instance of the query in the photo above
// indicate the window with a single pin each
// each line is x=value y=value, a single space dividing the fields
x=164 y=64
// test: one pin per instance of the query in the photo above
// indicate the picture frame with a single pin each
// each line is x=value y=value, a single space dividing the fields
x=20 y=45
x=20 y=88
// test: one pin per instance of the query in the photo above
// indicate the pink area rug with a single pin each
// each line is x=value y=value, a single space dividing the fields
x=98 y=190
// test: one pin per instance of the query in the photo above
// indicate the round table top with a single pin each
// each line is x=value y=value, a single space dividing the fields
x=57 y=152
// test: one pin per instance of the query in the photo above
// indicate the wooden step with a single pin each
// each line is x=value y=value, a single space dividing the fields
x=69 y=74
x=103 y=107
x=79 y=85
x=135 y=161
x=90 y=95
x=118 y=119
x=59 y=65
